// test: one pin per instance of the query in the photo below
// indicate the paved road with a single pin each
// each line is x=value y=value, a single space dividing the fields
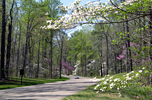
x=47 y=91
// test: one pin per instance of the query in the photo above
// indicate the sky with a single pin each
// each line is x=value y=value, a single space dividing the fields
x=67 y=3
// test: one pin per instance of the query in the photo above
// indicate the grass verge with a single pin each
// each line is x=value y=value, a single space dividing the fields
x=16 y=82
x=90 y=94
x=128 y=93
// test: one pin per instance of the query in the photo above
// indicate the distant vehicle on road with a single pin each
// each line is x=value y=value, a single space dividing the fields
x=76 y=77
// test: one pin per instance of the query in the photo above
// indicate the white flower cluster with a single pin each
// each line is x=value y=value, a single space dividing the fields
x=89 y=13
x=76 y=67
x=118 y=83
x=95 y=80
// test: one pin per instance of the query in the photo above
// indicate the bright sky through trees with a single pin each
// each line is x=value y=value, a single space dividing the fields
x=67 y=3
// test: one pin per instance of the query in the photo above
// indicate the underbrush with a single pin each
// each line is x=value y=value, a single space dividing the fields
x=129 y=85
x=138 y=92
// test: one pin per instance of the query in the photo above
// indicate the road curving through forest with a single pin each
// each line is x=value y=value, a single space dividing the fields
x=47 y=91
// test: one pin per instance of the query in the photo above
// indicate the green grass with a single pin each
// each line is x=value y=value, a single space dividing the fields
x=138 y=92
x=90 y=94
x=130 y=93
x=16 y=82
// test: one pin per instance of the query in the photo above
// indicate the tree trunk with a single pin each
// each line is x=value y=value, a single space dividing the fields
x=30 y=57
x=101 y=54
x=9 y=42
x=61 y=57
x=85 y=64
x=44 y=44
x=107 y=59
x=150 y=29
x=8 y=50
x=81 y=66
x=115 y=64
x=128 y=46
x=107 y=53
x=3 y=40
x=140 y=36
x=101 y=60
x=26 y=47
x=126 y=64
x=37 y=72
x=51 y=56
x=144 y=30
x=18 y=53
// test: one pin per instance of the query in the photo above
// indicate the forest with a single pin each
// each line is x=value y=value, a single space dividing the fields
x=116 y=37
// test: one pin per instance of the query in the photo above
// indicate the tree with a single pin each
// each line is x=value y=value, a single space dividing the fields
x=3 y=40
x=9 y=41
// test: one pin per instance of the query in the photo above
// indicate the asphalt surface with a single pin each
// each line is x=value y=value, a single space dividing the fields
x=47 y=91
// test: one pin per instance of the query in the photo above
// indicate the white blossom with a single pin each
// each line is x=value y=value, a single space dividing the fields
x=89 y=11
x=104 y=82
x=103 y=79
x=96 y=87
x=111 y=85
x=47 y=13
x=116 y=79
x=132 y=72
x=119 y=94
x=111 y=77
x=137 y=75
x=127 y=74
x=97 y=92
x=128 y=78
x=101 y=90
x=140 y=71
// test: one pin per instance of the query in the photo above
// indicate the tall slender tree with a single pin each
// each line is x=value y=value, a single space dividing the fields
x=8 y=55
x=3 y=40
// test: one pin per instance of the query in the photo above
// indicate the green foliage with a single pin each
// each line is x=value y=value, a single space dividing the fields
x=137 y=92
x=80 y=45
x=127 y=85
